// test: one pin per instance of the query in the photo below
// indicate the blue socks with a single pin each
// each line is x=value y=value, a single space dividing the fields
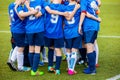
x=83 y=53
x=91 y=60
x=58 y=62
x=36 y=60
x=50 y=57
x=30 y=56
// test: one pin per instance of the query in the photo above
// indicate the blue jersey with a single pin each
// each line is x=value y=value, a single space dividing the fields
x=53 y=25
x=71 y=27
x=89 y=6
x=17 y=25
x=35 y=25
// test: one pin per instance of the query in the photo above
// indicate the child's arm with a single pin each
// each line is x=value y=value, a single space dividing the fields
x=27 y=3
x=16 y=6
x=47 y=8
x=21 y=14
x=93 y=17
x=77 y=6
x=82 y=17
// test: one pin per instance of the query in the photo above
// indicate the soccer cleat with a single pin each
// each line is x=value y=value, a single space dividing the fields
x=41 y=63
x=81 y=62
x=57 y=72
x=24 y=69
x=37 y=73
x=11 y=65
x=51 y=69
x=70 y=72
x=88 y=71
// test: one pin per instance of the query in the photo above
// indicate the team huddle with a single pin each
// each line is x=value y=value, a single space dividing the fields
x=73 y=24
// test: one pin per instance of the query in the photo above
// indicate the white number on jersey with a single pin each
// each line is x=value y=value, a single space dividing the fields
x=94 y=6
x=32 y=17
x=54 y=18
x=12 y=15
x=72 y=21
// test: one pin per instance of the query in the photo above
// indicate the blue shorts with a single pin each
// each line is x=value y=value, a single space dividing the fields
x=90 y=36
x=35 y=39
x=56 y=43
x=73 y=43
x=19 y=39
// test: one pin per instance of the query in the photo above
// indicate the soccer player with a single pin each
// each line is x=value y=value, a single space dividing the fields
x=72 y=37
x=12 y=55
x=90 y=30
x=54 y=35
x=83 y=58
x=34 y=34
x=18 y=30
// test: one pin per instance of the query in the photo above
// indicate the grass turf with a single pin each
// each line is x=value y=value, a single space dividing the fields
x=109 y=48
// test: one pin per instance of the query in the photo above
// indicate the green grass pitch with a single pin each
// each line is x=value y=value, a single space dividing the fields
x=109 y=57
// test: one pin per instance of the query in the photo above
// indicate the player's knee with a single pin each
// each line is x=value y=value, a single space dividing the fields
x=74 y=50
x=90 y=47
x=58 y=51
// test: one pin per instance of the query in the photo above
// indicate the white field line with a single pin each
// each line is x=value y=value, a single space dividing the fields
x=1 y=31
x=108 y=36
x=100 y=36
x=114 y=77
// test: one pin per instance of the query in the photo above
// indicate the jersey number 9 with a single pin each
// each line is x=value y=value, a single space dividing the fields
x=54 y=18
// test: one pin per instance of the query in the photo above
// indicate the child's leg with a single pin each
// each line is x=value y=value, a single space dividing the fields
x=58 y=44
x=54 y=57
x=97 y=51
x=12 y=59
x=58 y=60
x=75 y=45
x=64 y=53
x=36 y=58
x=90 y=37
x=14 y=54
x=68 y=57
x=20 y=58
x=50 y=56
x=45 y=59
x=73 y=59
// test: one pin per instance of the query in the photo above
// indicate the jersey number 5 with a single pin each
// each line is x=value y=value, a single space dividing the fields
x=72 y=21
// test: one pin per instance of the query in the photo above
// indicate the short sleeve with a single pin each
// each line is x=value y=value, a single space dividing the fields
x=19 y=9
x=45 y=4
x=83 y=4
